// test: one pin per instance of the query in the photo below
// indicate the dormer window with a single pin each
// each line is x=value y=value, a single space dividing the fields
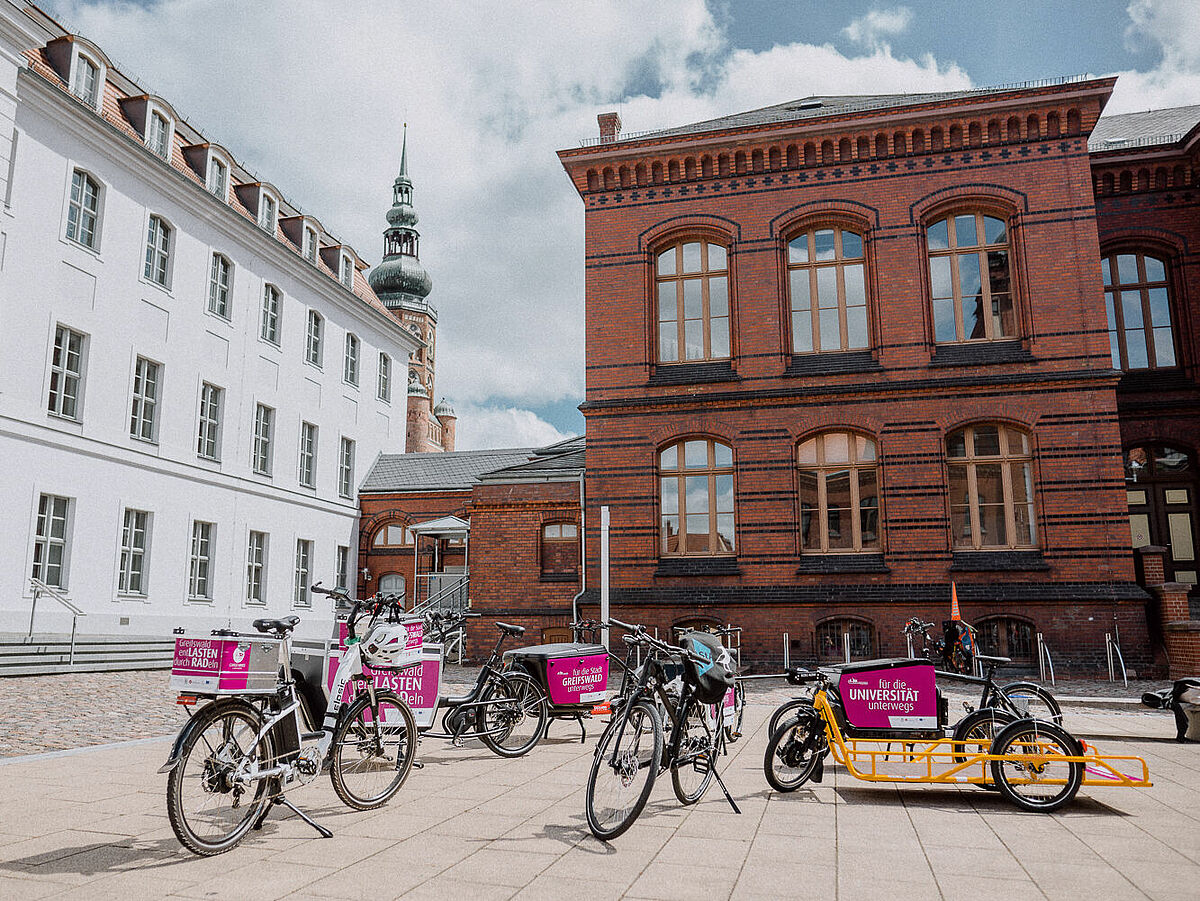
x=86 y=83
x=347 y=273
x=310 y=244
x=218 y=176
x=266 y=212
x=158 y=134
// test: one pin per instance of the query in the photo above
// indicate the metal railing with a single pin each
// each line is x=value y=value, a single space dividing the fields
x=41 y=588
x=451 y=598
x=1045 y=662
x=1113 y=650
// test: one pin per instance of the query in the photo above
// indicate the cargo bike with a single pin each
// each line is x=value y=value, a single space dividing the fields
x=885 y=721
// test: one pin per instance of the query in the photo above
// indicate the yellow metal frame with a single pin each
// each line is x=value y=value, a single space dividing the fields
x=960 y=762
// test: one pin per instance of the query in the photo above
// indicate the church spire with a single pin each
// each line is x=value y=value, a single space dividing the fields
x=404 y=155
x=400 y=278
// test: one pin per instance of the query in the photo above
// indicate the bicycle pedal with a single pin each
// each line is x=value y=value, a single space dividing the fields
x=418 y=765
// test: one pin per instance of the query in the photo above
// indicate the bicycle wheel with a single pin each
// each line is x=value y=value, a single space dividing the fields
x=1032 y=778
x=794 y=750
x=1032 y=700
x=693 y=756
x=733 y=731
x=979 y=729
x=373 y=750
x=623 y=770
x=516 y=720
x=786 y=711
x=211 y=801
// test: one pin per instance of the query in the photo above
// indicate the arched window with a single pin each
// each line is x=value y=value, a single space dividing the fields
x=1007 y=636
x=392 y=583
x=696 y=498
x=560 y=549
x=693 y=302
x=393 y=535
x=827 y=291
x=831 y=640
x=969 y=279
x=1138 y=302
x=991 y=487
x=839 y=493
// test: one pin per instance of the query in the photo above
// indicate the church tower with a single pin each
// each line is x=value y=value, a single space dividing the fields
x=402 y=283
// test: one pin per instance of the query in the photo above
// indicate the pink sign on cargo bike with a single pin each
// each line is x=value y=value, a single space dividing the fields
x=577 y=680
x=890 y=698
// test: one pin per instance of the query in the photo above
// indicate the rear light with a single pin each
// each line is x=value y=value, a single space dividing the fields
x=186 y=700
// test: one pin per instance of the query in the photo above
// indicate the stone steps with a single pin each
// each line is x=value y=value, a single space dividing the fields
x=50 y=654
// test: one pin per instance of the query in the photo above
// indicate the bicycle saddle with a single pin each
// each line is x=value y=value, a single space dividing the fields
x=276 y=626
x=999 y=661
x=510 y=630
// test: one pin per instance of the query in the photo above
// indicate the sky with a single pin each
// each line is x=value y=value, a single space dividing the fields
x=312 y=95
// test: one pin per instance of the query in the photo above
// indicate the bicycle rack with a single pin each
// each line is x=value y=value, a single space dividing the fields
x=1045 y=663
x=1113 y=650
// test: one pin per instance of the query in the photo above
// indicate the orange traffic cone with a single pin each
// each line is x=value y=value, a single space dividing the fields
x=954 y=614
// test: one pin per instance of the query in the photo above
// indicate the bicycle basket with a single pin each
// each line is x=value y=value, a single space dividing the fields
x=392 y=646
x=710 y=680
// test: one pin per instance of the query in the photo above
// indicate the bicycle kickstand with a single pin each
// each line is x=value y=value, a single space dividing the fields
x=728 y=797
x=284 y=802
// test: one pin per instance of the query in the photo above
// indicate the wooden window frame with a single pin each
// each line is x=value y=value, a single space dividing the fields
x=680 y=474
x=679 y=278
x=981 y=248
x=855 y=466
x=1007 y=460
x=1143 y=286
x=839 y=264
x=559 y=540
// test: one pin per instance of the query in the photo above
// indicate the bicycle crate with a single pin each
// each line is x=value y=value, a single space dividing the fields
x=571 y=673
x=226 y=664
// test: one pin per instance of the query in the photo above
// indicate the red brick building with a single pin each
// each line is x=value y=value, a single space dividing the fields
x=845 y=350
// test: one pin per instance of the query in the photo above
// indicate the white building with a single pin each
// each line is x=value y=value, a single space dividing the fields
x=194 y=376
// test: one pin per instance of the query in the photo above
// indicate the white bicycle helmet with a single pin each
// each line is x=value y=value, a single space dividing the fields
x=386 y=646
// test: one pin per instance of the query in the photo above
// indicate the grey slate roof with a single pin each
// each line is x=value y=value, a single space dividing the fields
x=1157 y=126
x=457 y=470
x=561 y=460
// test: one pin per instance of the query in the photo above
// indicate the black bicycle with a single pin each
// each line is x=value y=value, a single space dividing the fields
x=507 y=711
x=632 y=750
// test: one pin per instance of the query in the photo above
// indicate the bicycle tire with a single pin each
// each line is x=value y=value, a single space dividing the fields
x=694 y=752
x=981 y=726
x=1019 y=780
x=522 y=719
x=786 y=763
x=361 y=748
x=1031 y=700
x=215 y=779
x=786 y=711
x=624 y=739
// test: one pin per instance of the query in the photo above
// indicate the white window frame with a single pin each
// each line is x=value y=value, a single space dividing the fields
x=216 y=176
x=307 y=471
x=208 y=437
x=268 y=326
x=261 y=449
x=168 y=132
x=220 y=286
x=78 y=211
x=200 y=561
x=311 y=244
x=314 y=336
x=346 y=275
x=146 y=397
x=44 y=538
x=257 y=547
x=303 y=573
x=63 y=377
x=350 y=364
x=133 y=570
x=267 y=200
x=346 y=468
x=159 y=247
x=384 y=388
x=342 y=568
x=96 y=92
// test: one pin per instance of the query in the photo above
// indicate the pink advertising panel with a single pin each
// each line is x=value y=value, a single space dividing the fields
x=224 y=664
x=890 y=698
x=577 y=680
x=418 y=685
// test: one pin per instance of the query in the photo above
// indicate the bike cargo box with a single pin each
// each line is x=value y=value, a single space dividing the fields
x=571 y=673
x=226 y=664
x=899 y=694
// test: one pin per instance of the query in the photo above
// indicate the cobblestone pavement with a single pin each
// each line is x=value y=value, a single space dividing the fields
x=70 y=711
x=91 y=825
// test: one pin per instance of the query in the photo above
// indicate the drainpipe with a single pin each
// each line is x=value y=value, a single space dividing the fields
x=583 y=557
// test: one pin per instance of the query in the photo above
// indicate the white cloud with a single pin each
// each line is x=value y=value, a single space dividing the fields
x=1173 y=28
x=490 y=426
x=312 y=96
x=871 y=29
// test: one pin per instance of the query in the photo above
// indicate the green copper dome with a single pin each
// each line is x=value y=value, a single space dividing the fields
x=400 y=276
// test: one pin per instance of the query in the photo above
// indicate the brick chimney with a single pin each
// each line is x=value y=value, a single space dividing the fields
x=610 y=127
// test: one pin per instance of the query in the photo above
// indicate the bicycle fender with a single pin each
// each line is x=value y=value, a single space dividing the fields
x=191 y=725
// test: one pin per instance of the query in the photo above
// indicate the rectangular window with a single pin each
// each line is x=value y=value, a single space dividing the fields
x=346 y=469
x=158 y=251
x=310 y=245
x=135 y=539
x=158 y=133
x=66 y=373
x=208 y=441
x=83 y=210
x=266 y=213
x=343 y=568
x=218 y=286
x=264 y=430
x=201 y=561
x=300 y=596
x=270 y=314
x=217 y=172
x=385 y=377
x=350 y=369
x=348 y=272
x=51 y=541
x=256 y=568
x=85 y=86
x=308 y=455
x=143 y=416
x=312 y=352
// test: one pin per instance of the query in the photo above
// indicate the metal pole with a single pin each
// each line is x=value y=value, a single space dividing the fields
x=604 y=526
x=33 y=610
x=1041 y=660
x=846 y=645
x=74 y=623
x=786 y=661
x=1108 y=651
x=908 y=637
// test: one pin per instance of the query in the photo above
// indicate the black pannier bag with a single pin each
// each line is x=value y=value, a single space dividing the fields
x=712 y=678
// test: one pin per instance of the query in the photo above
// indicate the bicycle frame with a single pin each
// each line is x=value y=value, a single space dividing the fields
x=472 y=700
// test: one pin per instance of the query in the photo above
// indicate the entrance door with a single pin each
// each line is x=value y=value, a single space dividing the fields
x=392 y=583
x=1161 y=491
